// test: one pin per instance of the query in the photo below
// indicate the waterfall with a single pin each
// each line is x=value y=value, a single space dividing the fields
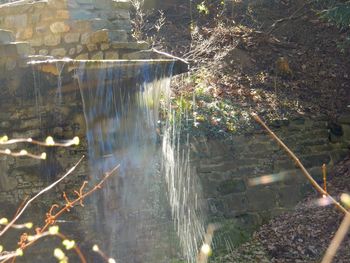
x=150 y=211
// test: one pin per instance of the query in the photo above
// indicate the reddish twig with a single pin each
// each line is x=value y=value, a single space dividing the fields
x=37 y=195
x=52 y=217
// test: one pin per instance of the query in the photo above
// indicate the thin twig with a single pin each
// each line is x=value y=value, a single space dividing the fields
x=301 y=166
x=337 y=240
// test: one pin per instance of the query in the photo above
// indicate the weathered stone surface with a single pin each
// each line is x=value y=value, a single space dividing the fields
x=344 y=118
x=111 y=55
x=85 y=38
x=72 y=51
x=72 y=38
x=82 y=56
x=99 y=36
x=23 y=49
x=52 y=40
x=105 y=46
x=232 y=186
x=43 y=52
x=121 y=4
x=79 y=48
x=98 y=24
x=59 y=27
x=118 y=35
x=91 y=47
x=130 y=45
x=58 y=52
x=16 y=21
x=25 y=34
x=62 y=14
x=42 y=29
x=6 y=36
x=10 y=64
x=97 y=56
x=36 y=42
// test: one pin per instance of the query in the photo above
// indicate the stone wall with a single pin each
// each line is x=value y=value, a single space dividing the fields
x=81 y=29
x=237 y=174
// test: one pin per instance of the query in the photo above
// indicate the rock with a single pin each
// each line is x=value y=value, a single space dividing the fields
x=23 y=48
x=111 y=55
x=11 y=64
x=52 y=40
x=91 y=47
x=43 y=52
x=131 y=45
x=79 y=48
x=62 y=14
x=58 y=52
x=42 y=29
x=344 y=118
x=97 y=56
x=105 y=46
x=59 y=27
x=36 y=42
x=99 y=36
x=85 y=38
x=72 y=38
x=71 y=51
x=16 y=21
x=118 y=35
x=25 y=34
x=6 y=36
x=83 y=56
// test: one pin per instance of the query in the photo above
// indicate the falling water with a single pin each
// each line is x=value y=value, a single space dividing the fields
x=153 y=205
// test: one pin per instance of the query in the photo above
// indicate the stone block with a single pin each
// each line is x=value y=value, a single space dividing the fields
x=52 y=40
x=231 y=186
x=97 y=56
x=72 y=38
x=72 y=51
x=25 y=34
x=105 y=46
x=289 y=196
x=59 y=27
x=121 y=4
x=261 y=199
x=16 y=21
x=23 y=49
x=98 y=24
x=58 y=52
x=77 y=14
x=8 y=50
x=130 y=45
x=317 y=159
x=83 y=56
x=344 y=118
x=43 y=52
x=6 y=36
x=11 y=64
x=91 y=47
x=99 y=36
x=118 y=35
x=122 y=25
x=111 y=55
x=79 y=48
x=62 y=14
x=235 y=204
x=346 y=131
x=85 y=38
x=42 y=29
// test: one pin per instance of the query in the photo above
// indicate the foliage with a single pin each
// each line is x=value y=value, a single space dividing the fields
x=339 y=14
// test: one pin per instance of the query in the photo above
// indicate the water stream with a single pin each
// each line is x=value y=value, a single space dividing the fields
x=150 y=212
x=122 y=128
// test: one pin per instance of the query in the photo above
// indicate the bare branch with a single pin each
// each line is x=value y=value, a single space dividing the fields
x=37 y=195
